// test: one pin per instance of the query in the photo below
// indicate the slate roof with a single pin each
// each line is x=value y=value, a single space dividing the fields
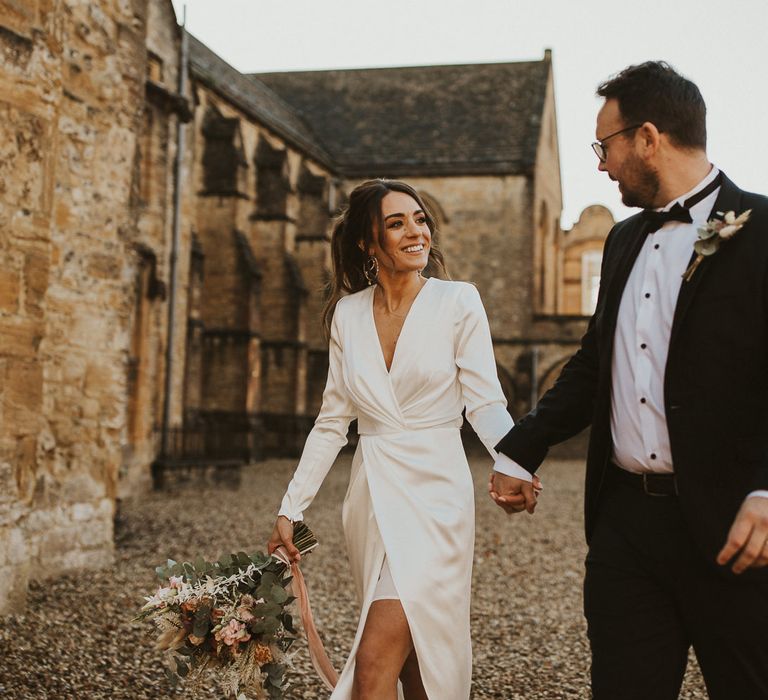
x=480 y=118
x=429 y=120
x=254 y=98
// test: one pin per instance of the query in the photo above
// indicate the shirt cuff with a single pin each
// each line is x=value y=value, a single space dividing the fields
x=504 y=465
x=760 y=494
x=293 y=517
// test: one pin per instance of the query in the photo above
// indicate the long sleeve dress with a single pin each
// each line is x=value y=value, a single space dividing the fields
x=410 y=500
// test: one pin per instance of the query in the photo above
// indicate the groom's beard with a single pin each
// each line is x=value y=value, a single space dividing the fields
x=639 y=184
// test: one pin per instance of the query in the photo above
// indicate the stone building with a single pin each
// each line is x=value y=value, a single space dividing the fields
x=480 y=142
x=164 y=250
x=580 y=251
x=87 y=91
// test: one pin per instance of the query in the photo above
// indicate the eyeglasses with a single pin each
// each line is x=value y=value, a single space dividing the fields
x=599 y=146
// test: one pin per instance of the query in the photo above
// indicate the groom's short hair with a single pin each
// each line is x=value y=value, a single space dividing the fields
x=655 y=92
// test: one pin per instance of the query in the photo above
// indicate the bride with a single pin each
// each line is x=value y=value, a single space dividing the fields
x=406 y=355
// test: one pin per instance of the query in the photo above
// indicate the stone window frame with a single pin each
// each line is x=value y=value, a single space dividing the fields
x=591 y=260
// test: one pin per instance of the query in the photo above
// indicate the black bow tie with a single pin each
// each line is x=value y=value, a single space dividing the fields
x=679 y=212
x=656 y=219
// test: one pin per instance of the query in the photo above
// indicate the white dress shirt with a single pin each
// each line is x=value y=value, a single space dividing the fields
x=641 y=344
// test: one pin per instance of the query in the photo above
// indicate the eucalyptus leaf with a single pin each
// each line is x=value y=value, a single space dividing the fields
x=269 y=625
x=201 y=565
x=259 y=558
x=266 y=609
x=278 y=594
x=287 y=621
x=273 y=670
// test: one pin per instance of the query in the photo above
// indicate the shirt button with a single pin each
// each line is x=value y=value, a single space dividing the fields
x=643 y=346
x=653 y=455
x=647 y=295
x=642 y=400
x=656 y=246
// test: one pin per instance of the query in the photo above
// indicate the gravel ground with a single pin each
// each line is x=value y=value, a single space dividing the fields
x=75 y=640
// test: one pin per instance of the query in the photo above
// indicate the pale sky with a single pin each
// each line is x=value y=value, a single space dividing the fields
x=722 y=46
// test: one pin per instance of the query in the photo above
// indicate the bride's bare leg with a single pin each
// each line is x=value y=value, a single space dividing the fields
x=413 y=688
x=384 y=648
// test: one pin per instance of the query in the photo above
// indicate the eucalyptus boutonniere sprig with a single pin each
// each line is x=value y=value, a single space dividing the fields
x=712 y=234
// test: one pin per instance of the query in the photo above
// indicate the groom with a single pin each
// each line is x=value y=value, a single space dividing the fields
x=672 y=375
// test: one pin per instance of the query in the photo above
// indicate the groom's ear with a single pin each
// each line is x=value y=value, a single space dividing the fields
x=649 y=139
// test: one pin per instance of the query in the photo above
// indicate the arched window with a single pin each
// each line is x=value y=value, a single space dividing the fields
x=222 y=153
x=272 y=181
x=590 y=280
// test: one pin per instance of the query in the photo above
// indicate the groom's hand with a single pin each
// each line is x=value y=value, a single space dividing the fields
x=513 y=495
x=748 y=535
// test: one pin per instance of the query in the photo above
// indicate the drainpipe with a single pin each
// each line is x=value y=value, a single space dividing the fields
x=173 y=292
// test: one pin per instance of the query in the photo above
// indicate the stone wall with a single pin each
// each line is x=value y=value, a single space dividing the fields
x=546 y=207
x=79 y=251
x=262 y=219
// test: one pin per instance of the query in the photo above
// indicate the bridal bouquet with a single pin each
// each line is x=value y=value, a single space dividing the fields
x=228 y=616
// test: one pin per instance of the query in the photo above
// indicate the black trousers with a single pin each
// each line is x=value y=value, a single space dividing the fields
x=649 y=595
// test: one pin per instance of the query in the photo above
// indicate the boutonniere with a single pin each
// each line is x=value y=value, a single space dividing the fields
x=712 y=234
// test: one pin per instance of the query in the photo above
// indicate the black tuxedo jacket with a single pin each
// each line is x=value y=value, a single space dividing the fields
x=715 y=384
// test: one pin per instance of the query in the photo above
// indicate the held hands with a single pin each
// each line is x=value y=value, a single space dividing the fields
x=749 y=536
x=514 y=495
x=282 y=536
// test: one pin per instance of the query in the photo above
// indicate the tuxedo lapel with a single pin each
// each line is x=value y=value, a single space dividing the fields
x=624 y=264
x=728 y=199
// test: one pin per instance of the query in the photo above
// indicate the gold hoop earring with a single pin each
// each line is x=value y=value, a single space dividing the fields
x=371 y=270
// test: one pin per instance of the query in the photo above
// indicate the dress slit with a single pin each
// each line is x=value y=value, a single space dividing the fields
x=385 y=586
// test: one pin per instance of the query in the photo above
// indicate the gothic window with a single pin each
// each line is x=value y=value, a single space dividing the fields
x=313 y=209
x=154 y=68
x=272 y=181
x=543 y=271
x=148 y=288
x=590 y=280
x=139 y=421
x=194 y=354
x=222 y=153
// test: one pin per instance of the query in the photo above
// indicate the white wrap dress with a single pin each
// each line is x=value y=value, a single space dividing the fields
x=410 y=498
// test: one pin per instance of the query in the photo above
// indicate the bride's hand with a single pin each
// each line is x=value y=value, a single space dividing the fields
x=282 y=536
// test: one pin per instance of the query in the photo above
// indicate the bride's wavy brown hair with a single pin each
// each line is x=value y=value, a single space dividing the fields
x=358 y=222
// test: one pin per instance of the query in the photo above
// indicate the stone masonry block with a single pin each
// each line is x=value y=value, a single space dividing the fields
x=96 y=533
x=13 y=588
x=10 y=288
x=21 y=337
x=13 y=547
x=83 y=512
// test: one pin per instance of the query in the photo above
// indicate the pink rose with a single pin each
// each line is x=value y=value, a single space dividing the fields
x=233 y=633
